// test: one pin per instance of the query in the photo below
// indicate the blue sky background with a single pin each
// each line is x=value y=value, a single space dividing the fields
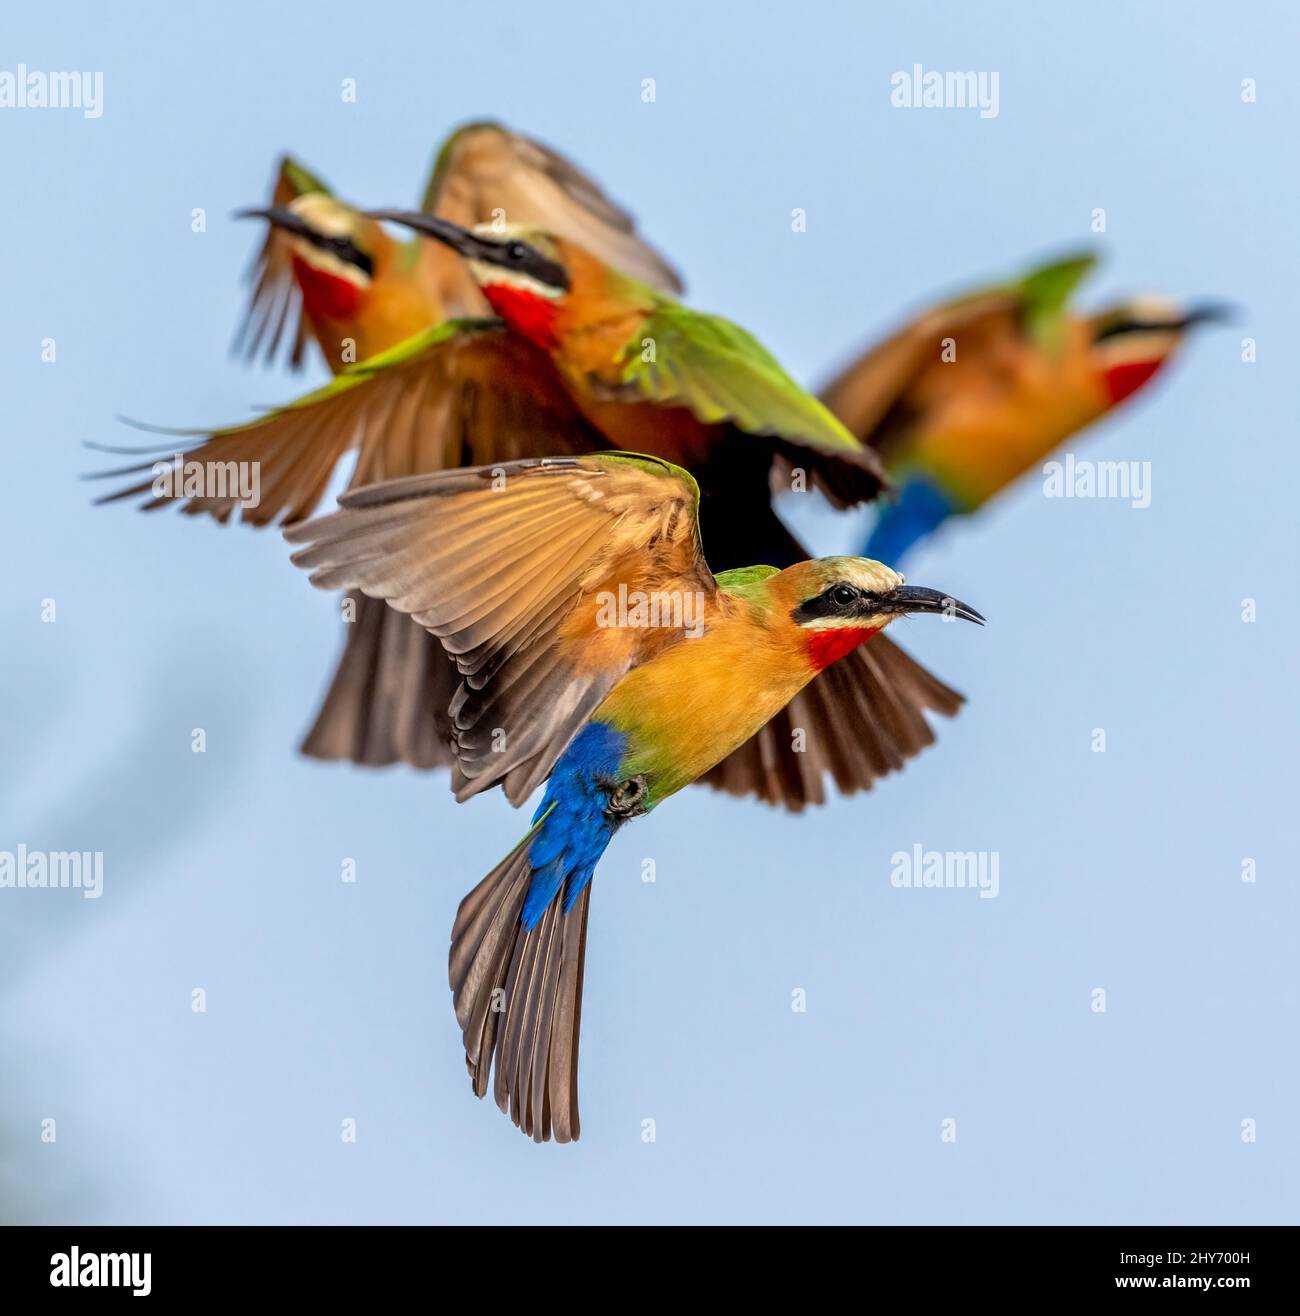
x=328 y=1001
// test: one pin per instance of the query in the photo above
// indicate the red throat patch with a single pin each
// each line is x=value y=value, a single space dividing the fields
x=525 y=312
x=828 y=646
x=324 y=295
x=1125 y=379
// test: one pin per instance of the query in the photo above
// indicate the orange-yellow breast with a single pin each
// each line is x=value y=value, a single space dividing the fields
x=689 y=707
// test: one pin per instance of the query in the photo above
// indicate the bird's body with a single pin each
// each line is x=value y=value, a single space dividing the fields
x=683 y=711
x=973 y=394
x=988 y=419
x=524 y=572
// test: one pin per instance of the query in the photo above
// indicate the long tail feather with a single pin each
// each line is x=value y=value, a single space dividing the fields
x=389 y=697
x=517 y=993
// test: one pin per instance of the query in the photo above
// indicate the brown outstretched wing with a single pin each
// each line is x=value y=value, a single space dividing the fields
x=485 y=172
x=504 y=564
x=465 y=392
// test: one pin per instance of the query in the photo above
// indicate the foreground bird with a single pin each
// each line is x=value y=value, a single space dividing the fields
x=582 y=358
x=972 y=394
x=597 y=649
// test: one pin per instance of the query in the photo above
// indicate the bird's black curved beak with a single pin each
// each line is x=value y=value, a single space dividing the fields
x=1210 y=313
x=916 y=598
x=281 y=217
x=459 y=239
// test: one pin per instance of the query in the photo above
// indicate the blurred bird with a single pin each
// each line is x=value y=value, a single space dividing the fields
x=515 y=569
x=581 y=358
x=328 y=274
x=972 y=394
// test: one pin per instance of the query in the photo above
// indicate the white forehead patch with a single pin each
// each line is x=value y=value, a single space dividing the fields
x=866 y=574
x=1156 y=306
x=500 y=230
x=324 y=214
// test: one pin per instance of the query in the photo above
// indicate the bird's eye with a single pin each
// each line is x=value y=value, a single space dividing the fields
x=844 y=595
x=517 y=252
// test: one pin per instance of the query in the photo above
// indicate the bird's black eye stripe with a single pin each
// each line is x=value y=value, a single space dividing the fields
x=528 y=260
x=345 y=249
x=1130 y=326
x=840 y=600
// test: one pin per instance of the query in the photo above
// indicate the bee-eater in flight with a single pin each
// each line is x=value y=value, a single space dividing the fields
x=970 y=395
x=513 y=568
x=582 y=357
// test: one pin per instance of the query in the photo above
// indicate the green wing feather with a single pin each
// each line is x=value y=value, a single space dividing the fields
x=656 y=466
x=1045 y=292
x=300 y=179
x=350 y=376
x=408 y=348
x=721 y=373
